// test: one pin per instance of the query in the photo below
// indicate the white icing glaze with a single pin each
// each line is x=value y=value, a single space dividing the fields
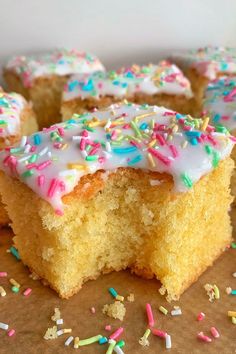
x=58 y=62
x=151 y=138
x=150 y=79
x=220 y=101
x=11 y=106
x=208 y=61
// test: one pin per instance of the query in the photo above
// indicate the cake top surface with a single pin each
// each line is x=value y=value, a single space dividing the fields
x=11 y=106
x=220 y=101
x=151 y=138
x=58 y=62
x=125 y=82
x=208 y=61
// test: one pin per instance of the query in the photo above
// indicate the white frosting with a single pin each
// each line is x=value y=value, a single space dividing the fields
x=220 y=102
x=208 y=61
x=151 y=79
x=11 y=106
x=152 y=138
x=60 y=62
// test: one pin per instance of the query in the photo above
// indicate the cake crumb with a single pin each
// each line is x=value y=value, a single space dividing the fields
x=162 y=290
x=51 y=333
x=130 y=297
x=144 y=342
x=228 y=290
x=211 y=292
x=34 y=276
x=115 y=310
x=57 y=314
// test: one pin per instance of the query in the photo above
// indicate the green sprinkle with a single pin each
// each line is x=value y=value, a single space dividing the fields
x=15 y=252
x=233 y=245
x=89 y=340
x=187 y=180
x=91 y=158
x=135 y=128
x=33 y=158
x=15 y=289
x=216 y=159
x=3 y=122
x=89 y=128
x=221 y=129
x=27 y=173
x=121 y=343
x=208 y=149
x=15 y=150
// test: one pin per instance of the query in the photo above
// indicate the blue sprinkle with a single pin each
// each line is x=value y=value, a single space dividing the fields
x=224 y=66
x=216 y=118
x=113 y=292
x=103 y=340
x=37 y=139
x=178 y=116
x=116 y=83
x=72 y=85
x=193 y=141
x=14 y=252
x=124 y=150
x=88 y=86
x=124 y=84
x=135 y=160
x=193 y=133
x=143 y=126
x=129 y=74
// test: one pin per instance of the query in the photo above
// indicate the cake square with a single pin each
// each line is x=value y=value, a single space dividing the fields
x=41 y=78
x=163 y=84
x=139 y=187
x=16 y=121
x=205 y=64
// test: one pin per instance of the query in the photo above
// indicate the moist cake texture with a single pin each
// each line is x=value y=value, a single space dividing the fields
x=124 y=187
x=41 y=78
x=163 y=84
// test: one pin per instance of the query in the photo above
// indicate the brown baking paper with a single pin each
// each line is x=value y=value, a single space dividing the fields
x=31 y=316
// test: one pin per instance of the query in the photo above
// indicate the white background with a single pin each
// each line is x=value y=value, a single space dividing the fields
x=118 y=31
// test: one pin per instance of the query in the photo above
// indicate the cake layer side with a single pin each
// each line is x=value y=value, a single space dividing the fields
x=130 y=218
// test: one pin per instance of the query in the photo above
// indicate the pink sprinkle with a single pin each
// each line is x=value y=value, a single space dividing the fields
x=169 y=113
x=159 y=156
x=126 y=126
x=101 y=159
x=159 y=333
x=201 y=316
x=174 y=151
x=233 y=138
x=11 y=332
x=93 y=151
x=82 y=144
x=135 y=143
x=114 y=135
x=33 y=148
x=59 y=212
x=108 y=327
x=30 y=166
x=41 y=180
x=61 y=131
x=204 y=338
x=214 y=332
x=44 y=164
x=230 y=96
x=212 y=140
x=52 y=188
x=100 y=85
x=93 y=309
x=150 y=315
x=117 y=333
x=160 y=139
x=224 y=117
x=27 y=292
x=3 y=274
x=84 y=133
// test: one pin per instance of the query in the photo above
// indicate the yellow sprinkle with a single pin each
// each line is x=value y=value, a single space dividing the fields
x=64 y=146
x=232 y=313
x=76 y=342
x=14 y=282
x=151 y=161
x=216 y=291
x=175 y=128
x=184 y=145
x=2 y=291
x=205 y=123
x=163 y=310
x=170 y=137
x=67 y=330
x=99 y=123
x=152 y=143
x=120 y=298
x=144 y=115
x=233 y=319
x=75 y=166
